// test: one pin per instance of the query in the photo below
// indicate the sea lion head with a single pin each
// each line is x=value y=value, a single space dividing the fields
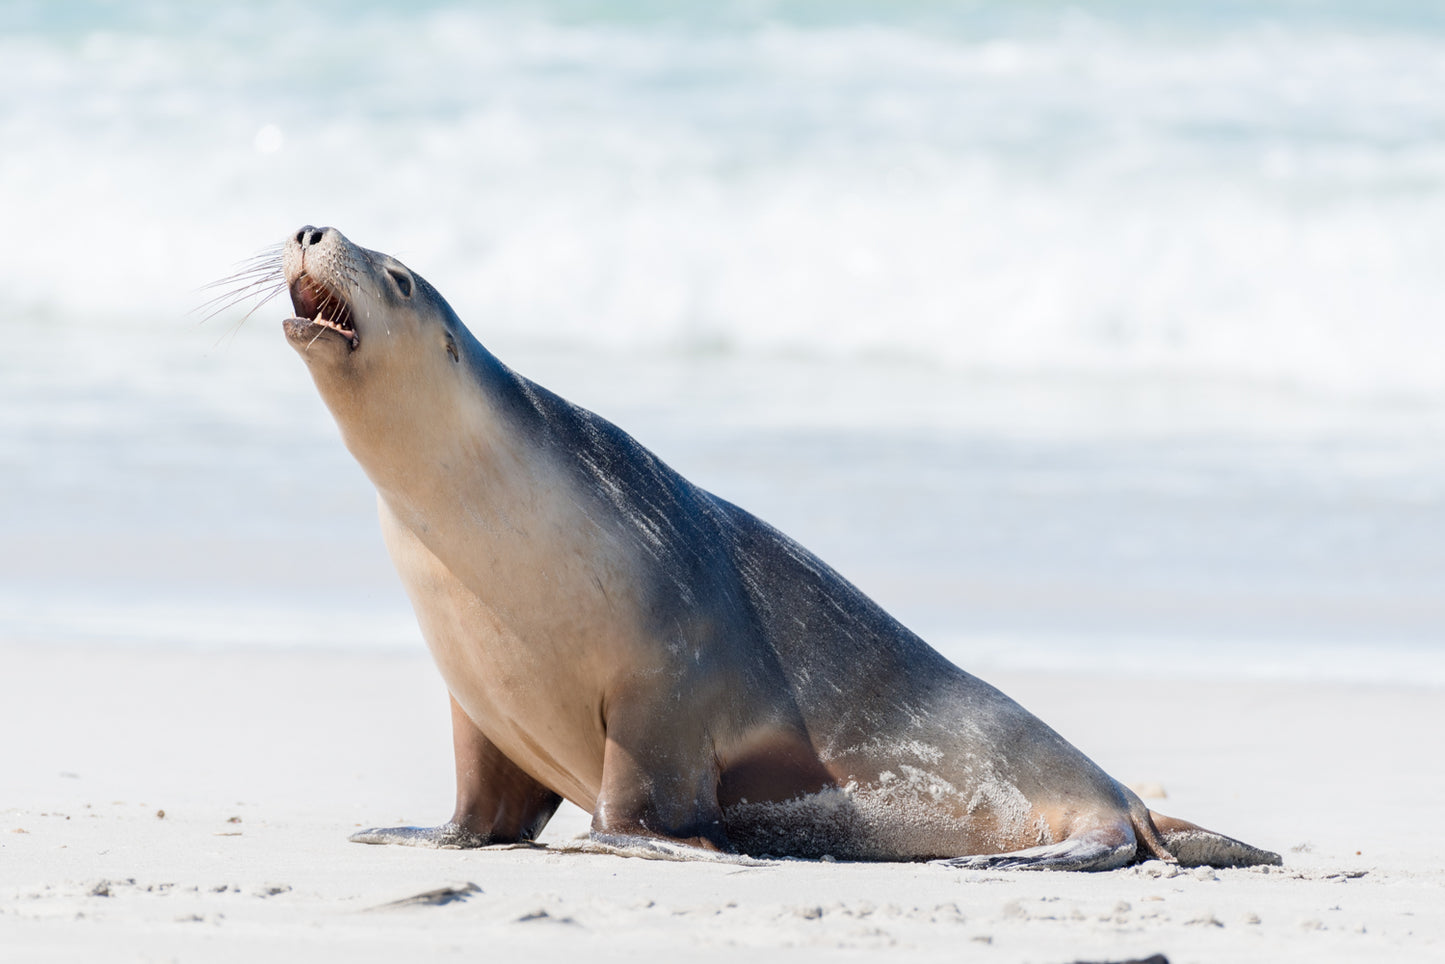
x=346 y=297
x=381 y=343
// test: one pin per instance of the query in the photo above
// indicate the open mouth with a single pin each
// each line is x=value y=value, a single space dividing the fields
x=322 y=306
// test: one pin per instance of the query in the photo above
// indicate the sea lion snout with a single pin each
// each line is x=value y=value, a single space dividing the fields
x=309 y=236
x=320 y=266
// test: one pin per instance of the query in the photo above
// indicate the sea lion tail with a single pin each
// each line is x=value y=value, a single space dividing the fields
x=1180 y=842
x=1192 y=846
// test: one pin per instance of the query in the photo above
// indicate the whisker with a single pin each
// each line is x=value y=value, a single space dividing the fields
x=265 y=300
x=240 y=281
x=259 y=276
x=232 y=299
x=244 y=290
x=268 y=262
x=253 y=274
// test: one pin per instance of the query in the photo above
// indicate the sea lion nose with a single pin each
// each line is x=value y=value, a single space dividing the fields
x=308 y=236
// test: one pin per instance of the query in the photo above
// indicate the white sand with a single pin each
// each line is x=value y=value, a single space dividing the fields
x=263 y=761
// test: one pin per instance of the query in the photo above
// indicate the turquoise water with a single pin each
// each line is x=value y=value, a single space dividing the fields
x=1063 y=331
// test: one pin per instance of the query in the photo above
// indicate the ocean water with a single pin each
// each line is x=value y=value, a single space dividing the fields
x=1103 y=337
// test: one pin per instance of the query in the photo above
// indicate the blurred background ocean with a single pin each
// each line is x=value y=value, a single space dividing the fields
x=1099 y=336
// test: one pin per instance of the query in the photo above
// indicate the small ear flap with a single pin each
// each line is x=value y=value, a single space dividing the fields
x=403 y=281
x=452 y=347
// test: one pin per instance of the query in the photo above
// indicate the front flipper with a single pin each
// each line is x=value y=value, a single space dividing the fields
x=654 y=848
x=496 y=802
x=1103 y=848
x=449 y=836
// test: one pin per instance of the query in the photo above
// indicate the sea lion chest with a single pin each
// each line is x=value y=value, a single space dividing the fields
x=526 y=607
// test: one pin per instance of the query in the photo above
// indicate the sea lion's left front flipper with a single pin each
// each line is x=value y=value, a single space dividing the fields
x=448 y=836
x=496 y=802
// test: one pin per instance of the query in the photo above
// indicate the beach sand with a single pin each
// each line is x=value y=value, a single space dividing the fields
x=174 y=804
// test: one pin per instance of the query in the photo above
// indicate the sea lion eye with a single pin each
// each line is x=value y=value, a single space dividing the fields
x=403 y=283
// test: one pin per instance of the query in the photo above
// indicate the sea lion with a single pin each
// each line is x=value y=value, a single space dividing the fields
x=612 y=634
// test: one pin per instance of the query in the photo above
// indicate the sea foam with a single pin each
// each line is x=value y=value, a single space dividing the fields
x=1254 y=195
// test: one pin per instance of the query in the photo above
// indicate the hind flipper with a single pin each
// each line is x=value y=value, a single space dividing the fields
x=1103 y=848
x=1193 y=846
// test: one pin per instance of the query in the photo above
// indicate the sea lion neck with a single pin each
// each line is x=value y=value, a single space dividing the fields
x=415 y=422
